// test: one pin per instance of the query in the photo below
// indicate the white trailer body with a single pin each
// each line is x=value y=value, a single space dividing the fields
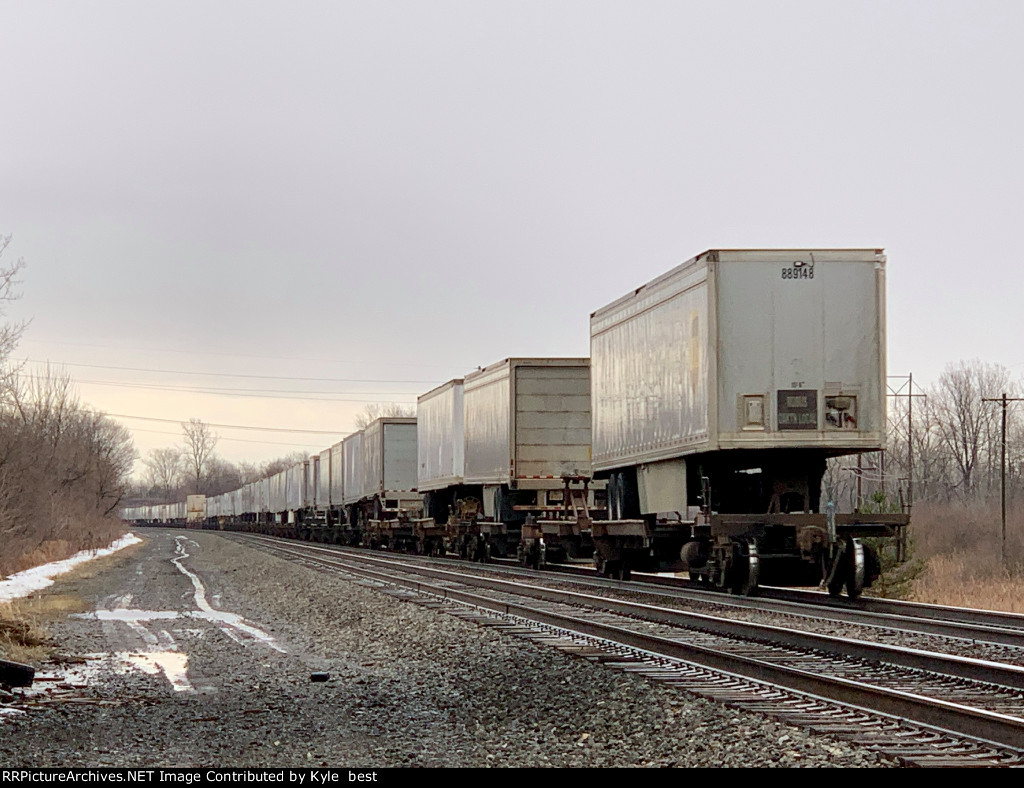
x=263 y=495
x=740 y=349
x=277 y=492
x=323 y=479
x=196 y=508
x=295 y=485
x=352 y=468
x=309 y=500
x=527 y=421
x=389 y=458
x=440 y=429
x=247 y=499
x=337 y=476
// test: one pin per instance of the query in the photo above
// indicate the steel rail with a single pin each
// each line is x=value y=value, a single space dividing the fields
x=995 y=619
x=978 y=626
x=988 y=726
x=858 y=613
x=915 y=659
x=955 y=666
x=850 y=613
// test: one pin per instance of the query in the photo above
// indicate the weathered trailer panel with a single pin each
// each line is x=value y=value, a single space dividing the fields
x=295 y=485
x=196 y=508
x=323 y=480
x=248 y=499
x=277 y=492
x=352 y=468
x=309 y=499
x=337 y=477
x=440 y=430
x=389 y=456
x=527 y=418
x=757 y=349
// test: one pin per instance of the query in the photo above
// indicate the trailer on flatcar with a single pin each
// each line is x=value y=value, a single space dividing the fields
x=720 y=389
x=505 y=459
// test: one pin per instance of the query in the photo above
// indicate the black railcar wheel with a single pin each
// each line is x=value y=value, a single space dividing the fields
x=746 y=569
x=856 y=569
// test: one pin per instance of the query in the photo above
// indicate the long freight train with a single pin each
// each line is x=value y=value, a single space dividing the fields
x=694 y=439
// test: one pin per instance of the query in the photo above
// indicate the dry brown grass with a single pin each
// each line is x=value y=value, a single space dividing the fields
x=24 y=632
x=951 y=580
x=961 y=546
x=24 y=623
x=21 y=553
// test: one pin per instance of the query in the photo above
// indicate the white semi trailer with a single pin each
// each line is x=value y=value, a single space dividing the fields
x=504 y=456
x=720 y=389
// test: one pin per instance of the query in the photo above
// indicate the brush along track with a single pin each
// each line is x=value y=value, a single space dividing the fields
x=956 y=721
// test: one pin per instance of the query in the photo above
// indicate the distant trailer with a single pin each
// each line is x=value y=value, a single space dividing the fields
x=380 y=472
x=195 y=511
x=506 y=449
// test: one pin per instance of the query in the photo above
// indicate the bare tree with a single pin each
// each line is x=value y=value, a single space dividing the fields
x=221 y=476
x=374 y=411
x=10 y=333
x=63 y=467
x=199 y=443
x=283 y=463
x=164 y=469
x=249 y=472
x=967 y=427
x=113 y=457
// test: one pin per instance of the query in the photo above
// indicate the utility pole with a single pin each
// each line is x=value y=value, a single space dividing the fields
x=1004 y=401
x=901 y=545
x=899 y=393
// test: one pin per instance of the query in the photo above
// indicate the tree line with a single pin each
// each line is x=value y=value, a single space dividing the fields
x=944 y=444
x=64 y=466
x=172 y=472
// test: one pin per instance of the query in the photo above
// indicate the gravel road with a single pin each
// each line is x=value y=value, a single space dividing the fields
x=408 y=686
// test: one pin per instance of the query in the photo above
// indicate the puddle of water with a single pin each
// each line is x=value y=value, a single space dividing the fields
x=173 y=664
x=162 y=655
x=228 y=620
x=123 y=614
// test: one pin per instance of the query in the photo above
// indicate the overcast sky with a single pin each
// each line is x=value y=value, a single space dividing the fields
x=385 y=195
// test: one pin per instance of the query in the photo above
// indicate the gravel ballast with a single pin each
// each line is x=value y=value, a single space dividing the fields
x=407 y=686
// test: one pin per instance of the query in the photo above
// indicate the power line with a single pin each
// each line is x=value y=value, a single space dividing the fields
x=229 y=374
x=225 y=388
x=235 y=440
x=230 y=392
x=215 y=353
x=227 y=426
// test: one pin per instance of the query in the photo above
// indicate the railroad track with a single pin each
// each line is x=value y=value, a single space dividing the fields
x=923 y=708
x=889 y=619
x=992 y=620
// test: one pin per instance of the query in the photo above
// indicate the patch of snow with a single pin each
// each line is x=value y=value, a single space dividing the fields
x=39 y=577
